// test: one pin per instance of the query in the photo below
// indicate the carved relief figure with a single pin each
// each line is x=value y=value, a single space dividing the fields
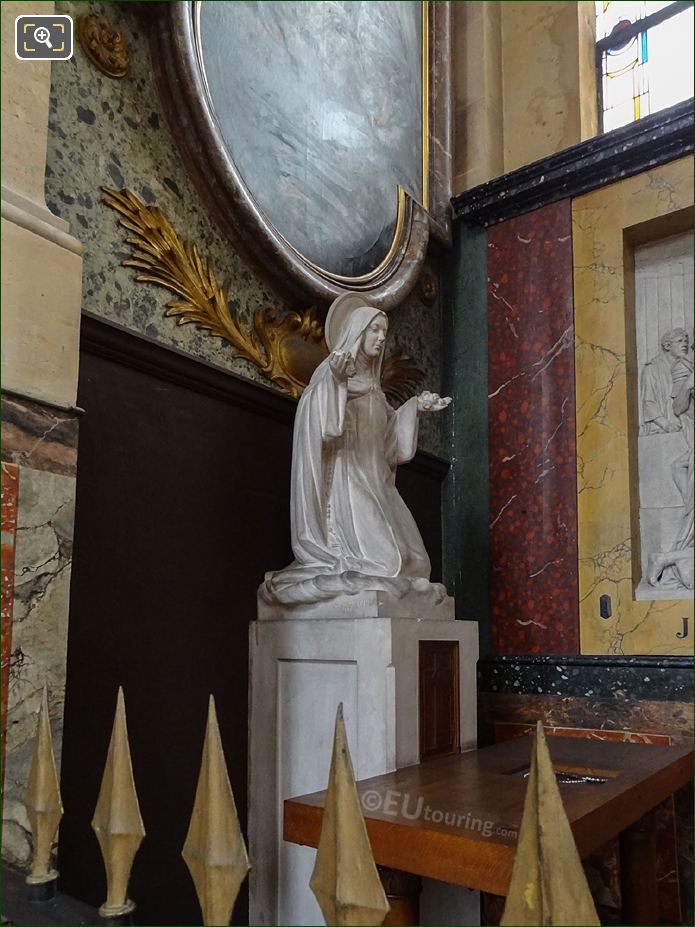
x=683 y=466
x=675 y=567
x=664 y=344
x=656 y=403
x=351 y=530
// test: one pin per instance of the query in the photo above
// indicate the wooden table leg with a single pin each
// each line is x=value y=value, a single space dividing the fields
x=492 y=908
x=403 y=893
x=638 y=879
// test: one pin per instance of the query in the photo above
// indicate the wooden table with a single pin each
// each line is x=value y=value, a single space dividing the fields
x=456 y=819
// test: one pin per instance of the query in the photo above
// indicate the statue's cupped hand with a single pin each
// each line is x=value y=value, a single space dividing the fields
x=432 y=402
x=342 y=365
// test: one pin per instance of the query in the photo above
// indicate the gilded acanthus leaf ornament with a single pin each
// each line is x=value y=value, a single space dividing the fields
x=400 y=377
x=285 y=348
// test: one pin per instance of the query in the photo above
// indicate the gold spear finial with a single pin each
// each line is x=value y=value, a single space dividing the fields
x=42 y=799
x=548 y=884
x=345 y=880
x=117 y=821
x=214 y=850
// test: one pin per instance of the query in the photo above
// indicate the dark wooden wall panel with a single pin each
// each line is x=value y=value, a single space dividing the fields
x=182 y=504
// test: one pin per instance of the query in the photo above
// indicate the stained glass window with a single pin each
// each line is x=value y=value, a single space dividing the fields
x=644 y=57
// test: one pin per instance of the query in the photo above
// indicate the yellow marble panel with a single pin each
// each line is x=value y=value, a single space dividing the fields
x=606 y=224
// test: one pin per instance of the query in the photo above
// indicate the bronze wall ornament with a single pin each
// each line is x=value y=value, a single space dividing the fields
x=103 y=44
x=428 y=287
x=286 y=349
x=255 y=228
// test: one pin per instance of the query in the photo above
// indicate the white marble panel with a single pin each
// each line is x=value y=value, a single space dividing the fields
x=663 y=291
x=309 y=692
x=300 y=670
x=664 y=348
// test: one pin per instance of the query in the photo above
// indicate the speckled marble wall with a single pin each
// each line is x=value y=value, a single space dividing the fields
x=113 y=132
x=606 y=224
x=533 y=554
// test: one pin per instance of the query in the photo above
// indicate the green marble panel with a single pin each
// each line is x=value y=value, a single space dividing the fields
x=465 y=515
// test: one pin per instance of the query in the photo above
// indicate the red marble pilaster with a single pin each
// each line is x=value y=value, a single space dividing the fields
x=532 y=449
x=10 y=492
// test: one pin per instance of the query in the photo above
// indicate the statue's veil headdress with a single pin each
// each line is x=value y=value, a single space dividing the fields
x=347 y=319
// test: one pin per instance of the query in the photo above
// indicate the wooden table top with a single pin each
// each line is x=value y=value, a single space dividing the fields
x=456 y=819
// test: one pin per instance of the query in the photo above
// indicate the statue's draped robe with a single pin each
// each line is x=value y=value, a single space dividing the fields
x=351 y=530
x=682 y=386
x=655 y=396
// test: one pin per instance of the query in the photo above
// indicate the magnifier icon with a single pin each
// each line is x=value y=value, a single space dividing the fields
x=43 y=36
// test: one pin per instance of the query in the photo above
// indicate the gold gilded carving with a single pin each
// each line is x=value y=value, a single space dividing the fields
x=285 y=349
x=103 y=44
x=117 y=822
x=42 y=799
x=400 y=377
x=214 y=851
x=345 y=880
x=428 y=287
x=548 y=884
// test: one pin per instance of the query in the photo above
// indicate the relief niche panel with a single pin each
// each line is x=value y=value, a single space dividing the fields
x=630 y=291
x=664 y=352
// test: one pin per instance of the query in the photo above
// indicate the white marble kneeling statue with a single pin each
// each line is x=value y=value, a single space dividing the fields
x=351 y=530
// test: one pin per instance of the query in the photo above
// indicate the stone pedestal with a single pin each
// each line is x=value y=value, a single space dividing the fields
x=301 y=668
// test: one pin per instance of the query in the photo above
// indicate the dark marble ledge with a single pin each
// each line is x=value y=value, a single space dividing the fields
x=39 y=435
x=604 y=159
x=662 y=679
x=644 y=660
x=54 y=406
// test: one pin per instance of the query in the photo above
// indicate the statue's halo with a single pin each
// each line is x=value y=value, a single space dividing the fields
x=341 y=308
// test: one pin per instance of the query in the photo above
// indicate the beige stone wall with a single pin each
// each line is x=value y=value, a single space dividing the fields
x=41 y=274
x=477 y=87
x=25 y=88
x=524 y=84
x=543 y=62
x=41 y=294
